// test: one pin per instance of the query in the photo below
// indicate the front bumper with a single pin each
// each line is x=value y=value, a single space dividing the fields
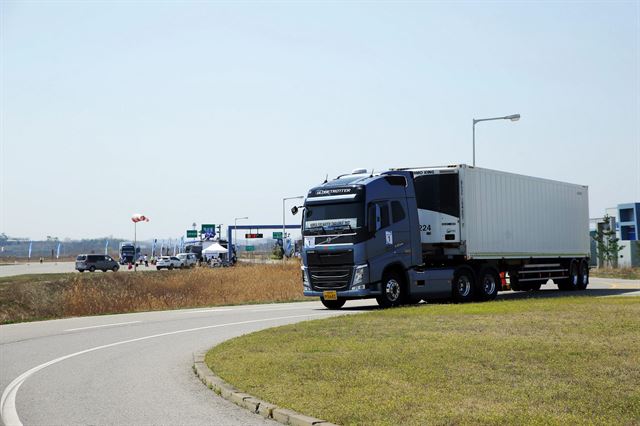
x=346 y=294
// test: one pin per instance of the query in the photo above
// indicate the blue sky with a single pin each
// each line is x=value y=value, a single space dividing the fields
x=206 y=111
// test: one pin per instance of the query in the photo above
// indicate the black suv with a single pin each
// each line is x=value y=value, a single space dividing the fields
x=91 y=262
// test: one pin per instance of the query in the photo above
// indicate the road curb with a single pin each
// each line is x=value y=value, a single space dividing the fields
x=251 y=403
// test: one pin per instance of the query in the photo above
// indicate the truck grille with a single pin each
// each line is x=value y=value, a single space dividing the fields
x=330 y=278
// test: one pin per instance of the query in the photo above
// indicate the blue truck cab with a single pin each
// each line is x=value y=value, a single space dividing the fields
x=361 y=240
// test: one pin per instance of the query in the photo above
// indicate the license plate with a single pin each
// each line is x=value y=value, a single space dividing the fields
x=329 y=295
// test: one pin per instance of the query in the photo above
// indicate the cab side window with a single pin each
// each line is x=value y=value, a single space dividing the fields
x=379 y=214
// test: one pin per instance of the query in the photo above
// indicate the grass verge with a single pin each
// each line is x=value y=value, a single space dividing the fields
x=45 y=296
x=572 y=360
x=623 y=273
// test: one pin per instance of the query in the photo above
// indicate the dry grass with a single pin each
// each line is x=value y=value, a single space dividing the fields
x=35 y=297
x=623 y=273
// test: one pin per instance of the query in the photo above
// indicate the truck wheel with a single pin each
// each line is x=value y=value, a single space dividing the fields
x=570 y=283
x=488 y=282
x=392 y=290
x=171 y=267
x=92 y=269
x=333 y=304
x=158 y=268
x=583 y=275
x=115 y=268
x=462 y=284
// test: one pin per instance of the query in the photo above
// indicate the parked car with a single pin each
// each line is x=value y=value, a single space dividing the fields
x=168 y=262
x=91 y=262
x=188 y=260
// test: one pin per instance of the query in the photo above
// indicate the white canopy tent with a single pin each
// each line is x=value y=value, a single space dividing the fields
x=213 y=250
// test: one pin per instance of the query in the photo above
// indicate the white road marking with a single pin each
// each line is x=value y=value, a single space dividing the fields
x=103 y=325
x=203 y=311
x=8 y=410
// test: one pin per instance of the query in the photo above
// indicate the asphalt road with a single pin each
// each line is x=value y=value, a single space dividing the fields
x=136 y=368
x=8 y=270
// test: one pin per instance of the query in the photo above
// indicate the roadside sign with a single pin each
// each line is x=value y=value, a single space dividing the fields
x=277 y=235
x=208 y=230
x=249 y=248
x=192 y=233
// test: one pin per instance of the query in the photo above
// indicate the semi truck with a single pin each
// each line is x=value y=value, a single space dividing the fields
x=454 y=232
x=127 y=252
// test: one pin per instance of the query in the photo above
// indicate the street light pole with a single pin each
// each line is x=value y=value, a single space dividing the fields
x=283 y=218
x=235 y=230
x=513 y=117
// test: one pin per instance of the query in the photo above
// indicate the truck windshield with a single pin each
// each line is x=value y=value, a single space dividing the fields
x=324 y=218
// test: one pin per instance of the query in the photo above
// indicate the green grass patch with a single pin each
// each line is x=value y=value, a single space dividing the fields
x=573 y=360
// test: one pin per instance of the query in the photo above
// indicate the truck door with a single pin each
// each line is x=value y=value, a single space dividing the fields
x=389 y=242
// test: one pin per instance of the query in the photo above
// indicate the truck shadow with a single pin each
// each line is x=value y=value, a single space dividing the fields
x=518 y=295
x=545 y=293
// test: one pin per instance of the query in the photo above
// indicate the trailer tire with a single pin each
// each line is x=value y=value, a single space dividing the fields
x=570 y=283
x=333 y=304
x=392 y=290
x=488 y=284
x=463 y=285
x=583 y=275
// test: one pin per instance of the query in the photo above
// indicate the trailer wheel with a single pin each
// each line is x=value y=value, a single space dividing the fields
x=392 y=287
x=333 y=304
x=462 y=285
x=583 y=276
x=488 y=282
x=570 y=283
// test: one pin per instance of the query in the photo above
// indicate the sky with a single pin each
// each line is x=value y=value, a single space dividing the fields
x=207 y=111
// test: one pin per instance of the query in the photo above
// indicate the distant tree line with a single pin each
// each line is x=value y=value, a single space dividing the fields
x=47 y=248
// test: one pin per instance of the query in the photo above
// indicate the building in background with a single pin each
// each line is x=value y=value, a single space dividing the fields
x=628 y=221
x=625 y=219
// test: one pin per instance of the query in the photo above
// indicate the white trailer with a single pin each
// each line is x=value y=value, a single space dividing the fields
x=536 y=227
x=489 y=214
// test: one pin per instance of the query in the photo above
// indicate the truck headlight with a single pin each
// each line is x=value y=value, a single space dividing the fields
x=359 y=278
x=305 y=279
